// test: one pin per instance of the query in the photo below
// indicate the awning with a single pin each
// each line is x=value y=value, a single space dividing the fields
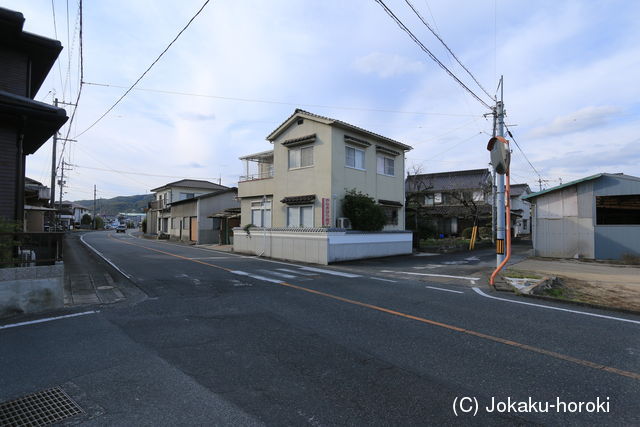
x=307 y=139
x=299 y=200
x=386 y=150
x=356 y=141
x=227 y=213
x=389 y=203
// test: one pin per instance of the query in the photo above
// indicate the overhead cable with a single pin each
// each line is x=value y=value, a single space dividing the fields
x=447 y=47
x=428 y=52
x=147 y=70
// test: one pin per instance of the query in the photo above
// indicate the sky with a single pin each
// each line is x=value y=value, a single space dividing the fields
x=570 y=84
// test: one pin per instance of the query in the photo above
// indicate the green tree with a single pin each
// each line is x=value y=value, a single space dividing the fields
x=363 y=212
x=144 y=225
x=86 y=219
x=99 y=223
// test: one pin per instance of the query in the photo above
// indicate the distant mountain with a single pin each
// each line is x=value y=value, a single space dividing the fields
x=120 y=204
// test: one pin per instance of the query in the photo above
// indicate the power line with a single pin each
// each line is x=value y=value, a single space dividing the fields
x=428 y=52
x=146 y=71
x=266 y=101
x=525 y=156
x=73 y=115
x=142 y=173
x=426 y=24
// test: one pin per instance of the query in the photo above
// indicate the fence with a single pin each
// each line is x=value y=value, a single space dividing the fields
x=19 y=249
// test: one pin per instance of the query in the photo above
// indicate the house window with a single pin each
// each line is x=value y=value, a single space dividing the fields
x=185 y=223
x=261 y=214
x=300 y=157
x=354 y=158
x=184 y=196
x=437 y=198
x=392 y=215
x=173 y=222
x=478 y=196
x=618 y=210
x=428 y=200
x=300 y=216
x=386 y=165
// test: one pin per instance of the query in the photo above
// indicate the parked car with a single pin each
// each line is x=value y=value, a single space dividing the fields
x=121 y=229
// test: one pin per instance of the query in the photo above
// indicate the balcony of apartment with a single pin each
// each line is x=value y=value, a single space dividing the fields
x=157 y=204
x=258 y=173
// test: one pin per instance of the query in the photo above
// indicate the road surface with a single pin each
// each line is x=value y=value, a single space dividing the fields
x=235 y=340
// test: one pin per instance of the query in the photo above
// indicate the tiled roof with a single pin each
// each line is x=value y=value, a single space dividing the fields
x=299 y=200
x=273 y=135
x=454 y=180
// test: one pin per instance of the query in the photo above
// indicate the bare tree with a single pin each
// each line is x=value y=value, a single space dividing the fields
x=416 y=191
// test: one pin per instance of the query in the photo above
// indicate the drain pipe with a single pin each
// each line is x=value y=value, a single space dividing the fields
x=507 y=195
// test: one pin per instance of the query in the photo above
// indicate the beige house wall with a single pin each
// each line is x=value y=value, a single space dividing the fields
x=329 y=177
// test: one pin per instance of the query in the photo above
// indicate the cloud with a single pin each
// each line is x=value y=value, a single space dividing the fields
x=386 y=65
x=198 y=117
x=586 y=118
x=193 y=165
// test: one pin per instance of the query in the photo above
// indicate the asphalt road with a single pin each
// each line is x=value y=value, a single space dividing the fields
x=232 y=340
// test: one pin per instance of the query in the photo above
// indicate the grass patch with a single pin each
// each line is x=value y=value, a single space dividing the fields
x=555 y=292
x=519 y=274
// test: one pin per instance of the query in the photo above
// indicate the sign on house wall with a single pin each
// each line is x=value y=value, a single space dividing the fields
x=326 y=212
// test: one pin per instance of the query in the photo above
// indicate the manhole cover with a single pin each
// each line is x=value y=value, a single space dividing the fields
x=38 y=409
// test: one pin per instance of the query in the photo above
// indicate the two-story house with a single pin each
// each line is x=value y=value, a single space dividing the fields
x=452 y=201
x=25 y=124
x=520 y=209
x=315 y=160
x=159 y=212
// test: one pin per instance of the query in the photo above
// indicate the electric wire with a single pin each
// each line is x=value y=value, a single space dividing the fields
x=142 y=173
x=428 y=52
x=294 y=104
x=426 y=24
x=146 y=71
x=523 y=154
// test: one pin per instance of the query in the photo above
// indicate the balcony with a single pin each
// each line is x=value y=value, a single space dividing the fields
x=260 y=175
x=157 y=204
x=256 y=180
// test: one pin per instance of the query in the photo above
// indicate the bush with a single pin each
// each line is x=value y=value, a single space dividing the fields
x=86 y=219
x=363 y=212
x=484 y=232
x=144 y=225
x=99 y=223
x=466 y=233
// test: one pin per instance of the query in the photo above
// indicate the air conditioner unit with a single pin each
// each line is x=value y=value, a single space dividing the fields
x=344 y=223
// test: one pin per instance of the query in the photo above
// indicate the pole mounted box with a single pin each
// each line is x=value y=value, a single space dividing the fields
x=500 y=155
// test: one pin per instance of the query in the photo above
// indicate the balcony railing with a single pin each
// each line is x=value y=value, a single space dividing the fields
x=30 y=249
x=252 y=177
x=157 y=204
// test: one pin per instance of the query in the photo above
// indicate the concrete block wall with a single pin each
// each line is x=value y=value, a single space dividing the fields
x=31 y=289
x=320 y=246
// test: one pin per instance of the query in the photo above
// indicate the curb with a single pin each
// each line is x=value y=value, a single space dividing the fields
x=581 y=303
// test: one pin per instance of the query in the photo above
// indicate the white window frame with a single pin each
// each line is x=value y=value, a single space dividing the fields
x=355 y=158
x=477 y=196
x=391 y=210
x=298 y=157
x=437 y=198
x=383 y=170
x=265 y=213
x=300 y=223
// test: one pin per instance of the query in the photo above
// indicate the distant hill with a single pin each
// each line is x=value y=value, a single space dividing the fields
x=116 y=205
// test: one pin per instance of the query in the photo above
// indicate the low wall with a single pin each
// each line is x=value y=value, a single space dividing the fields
x=31 y=289
x=320 y=245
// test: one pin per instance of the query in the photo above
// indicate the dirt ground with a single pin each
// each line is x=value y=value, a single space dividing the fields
x=602 y=284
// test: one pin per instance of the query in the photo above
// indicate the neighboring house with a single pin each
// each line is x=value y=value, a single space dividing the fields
x=159 y=212
x=36 y=205
x=25 y=124
x=70 y=214
x=454 y=200
x=314 y=161
x=520 y=210
x=596 y=217
x=191 y=219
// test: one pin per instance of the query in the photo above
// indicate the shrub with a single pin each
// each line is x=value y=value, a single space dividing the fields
x=144 y=225
x=363 y=212
x=86 y=219
x=466 y=233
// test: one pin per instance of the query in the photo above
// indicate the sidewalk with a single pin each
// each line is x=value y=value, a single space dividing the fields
x=594 y=283
x=87 y=279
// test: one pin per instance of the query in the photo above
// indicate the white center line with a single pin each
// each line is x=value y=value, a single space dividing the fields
x=383 y=280
x=479 y=292
x=433 y=275
x=443 y=289
x=47 y=319
x=279 y=274
x=301 y=273
x=255 y=276
x=332 y=272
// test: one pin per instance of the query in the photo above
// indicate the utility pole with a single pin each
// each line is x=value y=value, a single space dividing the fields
x=53 y=162
x=500 y=202
x=94 y=207
x=61 y=182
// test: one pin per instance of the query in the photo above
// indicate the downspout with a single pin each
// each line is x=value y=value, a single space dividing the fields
x=507 y=195
x=20 y=169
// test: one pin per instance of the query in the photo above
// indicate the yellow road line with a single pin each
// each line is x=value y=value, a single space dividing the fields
x=504 y=341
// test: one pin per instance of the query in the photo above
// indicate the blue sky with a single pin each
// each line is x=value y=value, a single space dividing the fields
x=570 y=71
